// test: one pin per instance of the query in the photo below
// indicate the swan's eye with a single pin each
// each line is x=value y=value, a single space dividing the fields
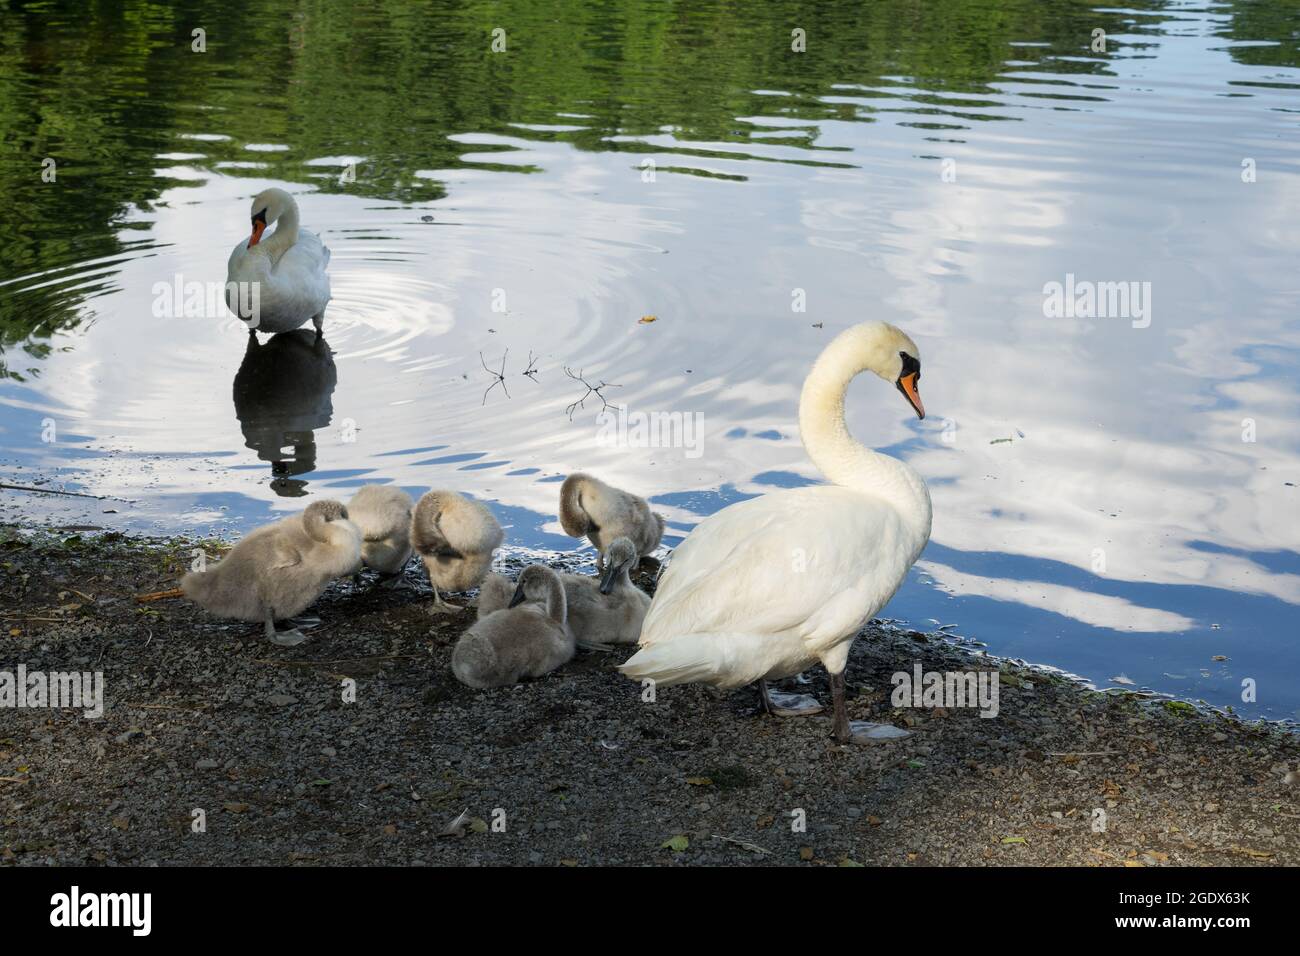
x=911 y=366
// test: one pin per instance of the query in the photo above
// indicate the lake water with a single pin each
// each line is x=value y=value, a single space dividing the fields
x=1114 y=495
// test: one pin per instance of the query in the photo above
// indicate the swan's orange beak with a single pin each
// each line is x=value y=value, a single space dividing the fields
x=908 y=386
x=259 y=227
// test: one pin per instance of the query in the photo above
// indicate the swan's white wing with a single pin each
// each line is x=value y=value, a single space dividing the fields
x=766 y=581
x=307 y=257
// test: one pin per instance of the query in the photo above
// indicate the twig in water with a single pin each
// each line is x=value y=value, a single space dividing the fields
x=499 y=376
x=591 y=389
x=52 y=491
x=531 y=370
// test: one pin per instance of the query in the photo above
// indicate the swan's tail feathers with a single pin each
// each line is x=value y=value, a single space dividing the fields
x=690 y=659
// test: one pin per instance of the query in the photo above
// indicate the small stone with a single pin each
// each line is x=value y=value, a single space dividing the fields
x=207 y=763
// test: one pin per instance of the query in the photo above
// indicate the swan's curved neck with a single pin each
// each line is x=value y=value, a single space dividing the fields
x=841 y=458
x=557 y=605
x=286 y=232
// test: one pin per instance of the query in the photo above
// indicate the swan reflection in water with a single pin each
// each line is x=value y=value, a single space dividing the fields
x=283 y=392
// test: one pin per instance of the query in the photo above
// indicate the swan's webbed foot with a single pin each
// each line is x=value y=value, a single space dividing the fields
x=440 y=607
x=290 y=638
x=781 y=703
x=393 y=582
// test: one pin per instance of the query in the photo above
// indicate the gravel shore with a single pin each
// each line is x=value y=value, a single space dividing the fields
x=207 y=722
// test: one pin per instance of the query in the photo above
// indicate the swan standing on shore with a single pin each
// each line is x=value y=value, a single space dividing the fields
x=602 y=513
x=280 y=569
x=287 y=268
x=766 y=587
x=456 y=538
x=383 y=513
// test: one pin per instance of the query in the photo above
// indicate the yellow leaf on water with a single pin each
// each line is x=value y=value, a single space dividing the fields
x=647 y=319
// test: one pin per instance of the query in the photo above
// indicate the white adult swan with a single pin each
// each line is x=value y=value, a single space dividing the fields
x=279 y=282
x=766 y=587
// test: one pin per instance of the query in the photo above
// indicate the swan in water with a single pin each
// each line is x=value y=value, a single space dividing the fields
x=456 y=538
x=602 y=609
x=287 y=269
x=602 y=513
x=280 y=569
x=766 y=587
x=283 y=392
x=528 y=638
x=383 y=513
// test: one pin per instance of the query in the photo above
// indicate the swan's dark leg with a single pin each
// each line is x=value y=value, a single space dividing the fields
x=392 y=582
x=270 y=626
x=842 y=731
x=764 y=702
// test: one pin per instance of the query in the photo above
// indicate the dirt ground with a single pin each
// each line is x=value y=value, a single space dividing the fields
x=574 y=769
